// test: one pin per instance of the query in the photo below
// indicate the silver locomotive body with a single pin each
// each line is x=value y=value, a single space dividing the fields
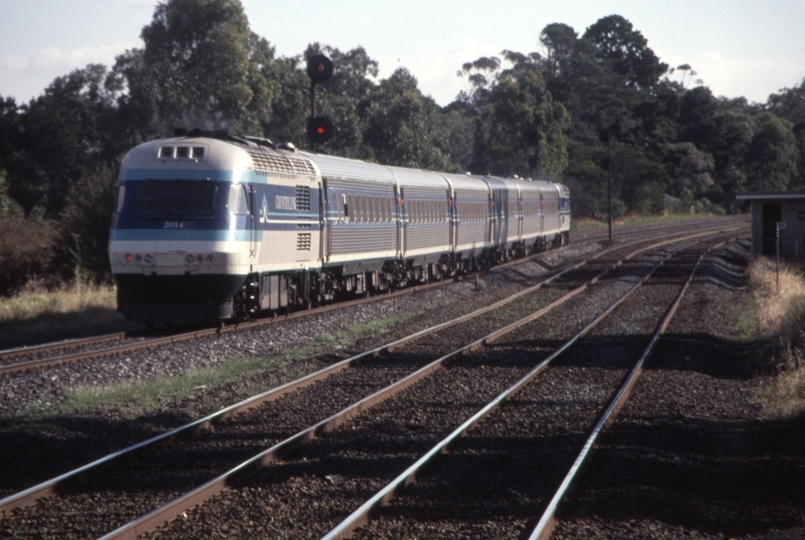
x=208 y=229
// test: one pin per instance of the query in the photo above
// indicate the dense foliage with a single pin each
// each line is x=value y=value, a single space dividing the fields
x=582 y=109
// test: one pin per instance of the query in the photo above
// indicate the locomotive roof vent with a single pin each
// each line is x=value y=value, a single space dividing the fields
x=281 y=163
x=260 y=141
x=289 y=146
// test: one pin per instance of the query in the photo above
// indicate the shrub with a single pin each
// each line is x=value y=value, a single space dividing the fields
x=27 y=251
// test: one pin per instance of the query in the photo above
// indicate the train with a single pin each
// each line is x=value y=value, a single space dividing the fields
x=209 y=227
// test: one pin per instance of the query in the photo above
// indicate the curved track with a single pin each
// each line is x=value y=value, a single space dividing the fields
x=55 y=354
x=526 y=305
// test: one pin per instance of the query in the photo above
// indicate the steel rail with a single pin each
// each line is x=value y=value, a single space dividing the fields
x=202 y=493
x=9 y=354
x=187 y=336
x=361 y=516
x=50 y=487
x=547 y=521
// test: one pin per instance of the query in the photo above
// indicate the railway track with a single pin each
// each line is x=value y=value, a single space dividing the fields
x=55 y=354
x=544 y=429
x=373 y=373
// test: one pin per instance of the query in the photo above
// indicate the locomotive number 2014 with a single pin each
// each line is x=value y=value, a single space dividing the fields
x=173 y=225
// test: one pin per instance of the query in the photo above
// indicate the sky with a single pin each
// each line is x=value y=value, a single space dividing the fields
x=738 y=48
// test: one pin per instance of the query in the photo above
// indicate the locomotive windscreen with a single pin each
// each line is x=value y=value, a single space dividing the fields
x=176 y=198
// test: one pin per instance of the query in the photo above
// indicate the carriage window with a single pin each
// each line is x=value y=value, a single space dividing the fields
x=350 y=206
x=358 y=209
x=238 y=203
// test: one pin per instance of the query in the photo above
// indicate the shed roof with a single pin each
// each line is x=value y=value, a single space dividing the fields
x=770 y=195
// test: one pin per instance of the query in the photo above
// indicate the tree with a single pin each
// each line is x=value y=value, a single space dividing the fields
x=456 y=125
x=515 y=105
x=689 y=168
x=627 y=50
x=83 y=229
x=290 y=109
x=201 y=66
x=9 y=129
x=481 y=75
x=345 y=96
x=561 y=43
x=64 y=132
x=770 y=160
x=402 y=128
x=789 y=103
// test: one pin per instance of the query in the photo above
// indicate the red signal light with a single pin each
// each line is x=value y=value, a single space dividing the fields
x=319 y=129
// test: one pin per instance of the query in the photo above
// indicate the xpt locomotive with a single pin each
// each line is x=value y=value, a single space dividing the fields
x=209 y=227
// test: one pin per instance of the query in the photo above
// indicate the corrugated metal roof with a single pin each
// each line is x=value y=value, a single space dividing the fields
x=770 y=195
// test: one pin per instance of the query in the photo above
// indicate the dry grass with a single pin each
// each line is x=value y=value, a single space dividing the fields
x=588 y=224
x=38 y=315
x=780 y=317
x=778 y=313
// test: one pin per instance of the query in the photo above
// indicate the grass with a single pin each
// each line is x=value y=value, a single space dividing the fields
x=780 y=317
x=778 y=312
x=136 y=398
x=589 y=224
x=38 y=315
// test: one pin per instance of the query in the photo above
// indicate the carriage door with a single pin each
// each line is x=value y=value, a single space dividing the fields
x=324 y=228
x=450 y=221
x=399 y=205
x=490 y=213
x=541 y=214
x=252 y=227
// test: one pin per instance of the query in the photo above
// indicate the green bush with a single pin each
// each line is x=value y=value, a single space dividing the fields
x=27 y=251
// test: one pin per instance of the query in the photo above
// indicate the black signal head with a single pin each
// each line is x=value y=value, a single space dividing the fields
x=319 y=68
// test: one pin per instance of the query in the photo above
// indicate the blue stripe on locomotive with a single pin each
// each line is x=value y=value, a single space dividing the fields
x=267 y=217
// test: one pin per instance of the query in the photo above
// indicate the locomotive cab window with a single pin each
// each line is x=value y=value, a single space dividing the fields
x=238 y=203
x=176 y=198
x=121 y=198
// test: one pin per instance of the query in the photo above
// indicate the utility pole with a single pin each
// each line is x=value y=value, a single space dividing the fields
x=609 y=179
